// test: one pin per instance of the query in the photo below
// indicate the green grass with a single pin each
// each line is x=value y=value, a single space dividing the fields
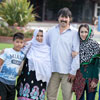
x=4 y=45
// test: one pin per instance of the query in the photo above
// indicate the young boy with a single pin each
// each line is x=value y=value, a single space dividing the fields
x=10 y=62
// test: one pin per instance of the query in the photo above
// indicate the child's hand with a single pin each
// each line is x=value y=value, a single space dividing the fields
x=25 y=44
x=74 y=54
x=2 y=51
x=93 y=84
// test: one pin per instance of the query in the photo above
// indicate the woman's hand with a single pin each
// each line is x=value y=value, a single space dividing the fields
x=74 y=54
x=71 y=78
x=93 y=84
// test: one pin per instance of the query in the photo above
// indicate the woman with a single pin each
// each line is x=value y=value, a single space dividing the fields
x=87 y=75
x=36 y=71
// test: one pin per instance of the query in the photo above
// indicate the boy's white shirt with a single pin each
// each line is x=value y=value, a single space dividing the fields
x=11 y=65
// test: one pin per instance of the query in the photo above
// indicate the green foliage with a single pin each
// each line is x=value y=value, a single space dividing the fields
x=17 y=11
x=2 y=1
x=9 y=31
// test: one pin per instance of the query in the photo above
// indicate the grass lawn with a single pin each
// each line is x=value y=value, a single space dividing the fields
x=3 y=45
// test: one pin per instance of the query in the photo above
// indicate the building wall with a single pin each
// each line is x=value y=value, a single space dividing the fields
x=82 y=10
x=38 y=5
x=87 y=13
x=97 y=10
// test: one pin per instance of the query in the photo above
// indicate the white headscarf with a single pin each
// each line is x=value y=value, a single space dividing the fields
x=39 y=58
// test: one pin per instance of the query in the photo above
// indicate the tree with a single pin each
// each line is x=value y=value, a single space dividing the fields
x=17 y=11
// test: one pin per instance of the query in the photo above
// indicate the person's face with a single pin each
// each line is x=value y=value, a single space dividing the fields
x=18 y=44
x=83 y=33
x=64 y=21
x=39 y=37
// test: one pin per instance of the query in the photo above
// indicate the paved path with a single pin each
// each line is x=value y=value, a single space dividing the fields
x=46 y=25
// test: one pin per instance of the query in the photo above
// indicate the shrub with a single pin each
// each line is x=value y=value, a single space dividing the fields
x=9 y=31
x=19 y=11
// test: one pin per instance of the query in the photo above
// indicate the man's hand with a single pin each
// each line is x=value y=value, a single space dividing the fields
x=93 y=84
x=71 y=78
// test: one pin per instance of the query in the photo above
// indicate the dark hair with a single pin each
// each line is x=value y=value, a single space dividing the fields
x=65 y=12
x=40 y=30
x=88 y=28
x=83 y=25
x=18 y=35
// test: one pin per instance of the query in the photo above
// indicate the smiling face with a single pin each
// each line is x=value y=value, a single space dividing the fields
x=64 y=21
x=39 y=37
x=64 y=17
x=83 y=33
x=18 y=44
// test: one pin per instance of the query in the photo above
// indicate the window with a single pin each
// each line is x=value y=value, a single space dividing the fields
x=98 y=4
x=97 y=10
